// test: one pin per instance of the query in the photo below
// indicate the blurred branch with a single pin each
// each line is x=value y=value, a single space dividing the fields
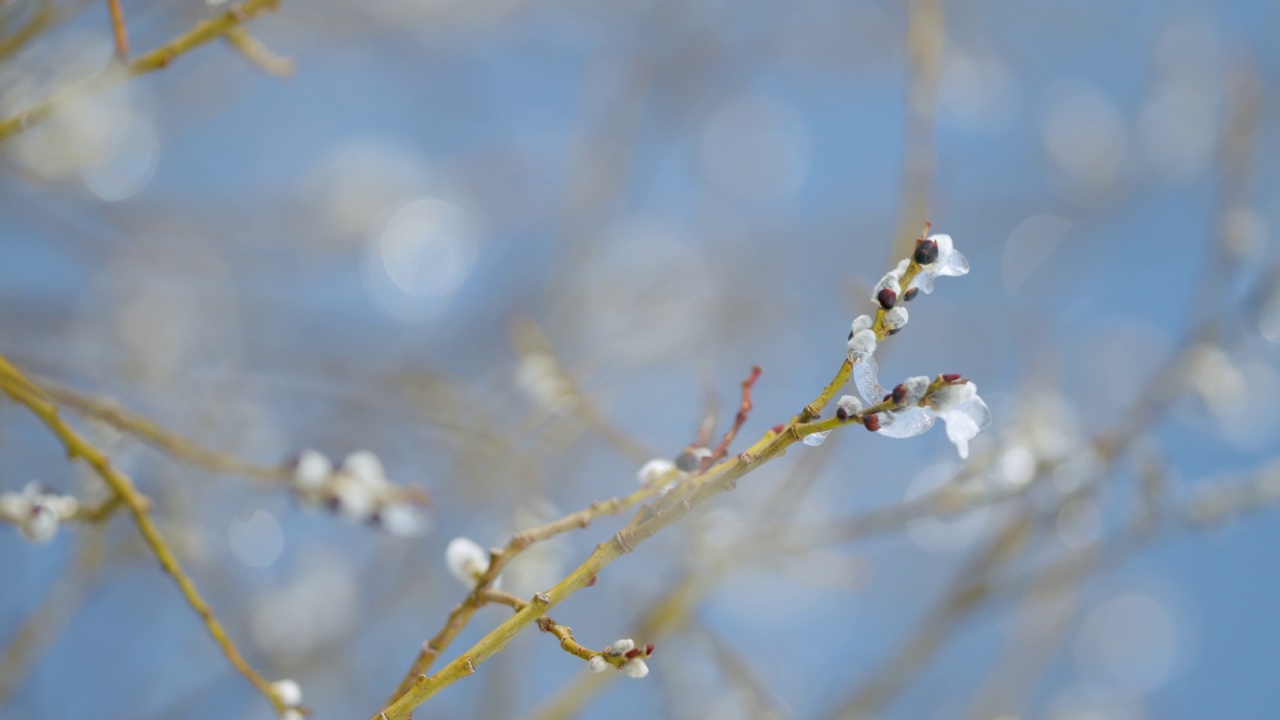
x=926 y=36
x=25 y=392
x=201 y=33
x=150 y=432
x=118 y=29
x=259 y=54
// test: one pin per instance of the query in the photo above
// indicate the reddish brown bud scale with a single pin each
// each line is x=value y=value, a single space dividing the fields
x=842 y=414
x=633 y=652
x=872 y=422
x=591 y=581
x=887 y=298
x=926 y=252
x=910 y=295
x=648 y=649
x=899 y=393
x=951 y=377
x=894 y=331
x=887 y=397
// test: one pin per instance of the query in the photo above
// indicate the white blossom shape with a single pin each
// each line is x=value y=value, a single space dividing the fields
x=598 y=664
x=949 y=263
x=364 y=466
x=466 y=560
x=634 y=668
x=288 y=692
x=311 y=471
x=958 y=405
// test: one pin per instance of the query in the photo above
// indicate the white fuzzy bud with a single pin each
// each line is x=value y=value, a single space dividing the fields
x=352 y=498
x=949 y=396
x=889 y=281
x=655 y=470
x=862 y=322
x=311 y=471
x=598 y=664
x=466 y=560
x=634 y=668
x=916 y=388
x=287 y=692
x=894 y=319
x=365 y=467
x=620 y=647
x=14 y=507
x=862 y=342
x=402 y=519
x=850 y=404
x=41 y=523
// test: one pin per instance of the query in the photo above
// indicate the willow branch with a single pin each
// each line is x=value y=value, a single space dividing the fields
x=201 y=33
x=26 y=393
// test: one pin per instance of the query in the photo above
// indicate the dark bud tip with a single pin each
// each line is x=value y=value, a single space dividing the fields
x=926 y=252
x=910 y=295
x=887 y=298
x=887 y=397
x=648 y=649
x=951 y=377
x=872 y=422
x=899 y=394
x=686 y=461
x=777 y=429
x=895 y=331
x=842 y=414
x=592 y=580
x=633 y=652
x=850 y=334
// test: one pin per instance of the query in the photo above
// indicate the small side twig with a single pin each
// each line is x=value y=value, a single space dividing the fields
x=119 y=30
x=744 y=410
x=259 y=54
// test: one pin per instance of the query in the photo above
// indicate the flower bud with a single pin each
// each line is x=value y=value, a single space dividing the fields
x=598 y=664
x=926 y=251
x=635 y=668
x=910 y=294
x=899 y=394
x=951 y=377
x=887 y=298
x=848 y=406
x=872 y=422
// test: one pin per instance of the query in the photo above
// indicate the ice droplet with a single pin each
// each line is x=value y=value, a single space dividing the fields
x=866 y=375
x=815 y=439
x=909 y=423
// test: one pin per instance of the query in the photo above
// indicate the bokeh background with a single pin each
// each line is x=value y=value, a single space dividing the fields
x=517 y=248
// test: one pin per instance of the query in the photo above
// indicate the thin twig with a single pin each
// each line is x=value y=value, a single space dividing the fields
x=25 y=392
x=259 y=54
x=119 y=30
x=744 y=409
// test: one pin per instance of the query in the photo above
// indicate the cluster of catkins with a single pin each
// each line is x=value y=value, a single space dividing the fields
x=625 y=656
x=37 y=512
x=358 y=490
x=918 y=401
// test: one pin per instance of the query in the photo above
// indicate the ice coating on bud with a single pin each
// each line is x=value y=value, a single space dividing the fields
x=862 y=344
x=466 y=560
x=848 y=406
x=908 y=423
x=886 y=291
x=949 y=396
x=598 y=664
x=634 y=668
x=949 y=262
x=815 y=439
x=866 y=377
x=916 y=387
x=895 y=319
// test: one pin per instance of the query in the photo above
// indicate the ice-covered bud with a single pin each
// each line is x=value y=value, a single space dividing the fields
x=310 y=471
x=287 y=692
x=620 y=647
x=895 y=319
x=926 y=251
x=863 y=342
x=947 y=262
x=848 y=406
x=887 y=290
x=41 y=523
x=598 y=664
x=655 y=470
x=872 y=422
x=963 y=411
x=466 y=560
x=634 y=668
x=950 y=396
x=914 y=389
x=365 y=467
